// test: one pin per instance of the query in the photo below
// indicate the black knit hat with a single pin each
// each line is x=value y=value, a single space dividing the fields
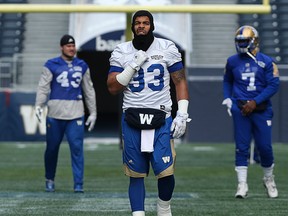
x=67 y=39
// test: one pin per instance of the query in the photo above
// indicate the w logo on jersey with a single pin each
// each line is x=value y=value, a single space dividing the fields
x=166 y=159
x=146 y=118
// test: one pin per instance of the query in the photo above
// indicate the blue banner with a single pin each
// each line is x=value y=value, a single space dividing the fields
x=17 y=118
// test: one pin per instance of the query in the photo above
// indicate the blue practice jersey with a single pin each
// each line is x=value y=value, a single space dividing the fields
x=249 y=79
x=66 y=82
x=64 y=85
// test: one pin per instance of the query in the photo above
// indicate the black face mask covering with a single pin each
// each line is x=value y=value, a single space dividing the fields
x=143 y=42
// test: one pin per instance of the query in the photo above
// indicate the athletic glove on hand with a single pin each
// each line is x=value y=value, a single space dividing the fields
x=178 y=126
x=91 y=120
x=228 y=102
x=138 y=60
x=38 y=112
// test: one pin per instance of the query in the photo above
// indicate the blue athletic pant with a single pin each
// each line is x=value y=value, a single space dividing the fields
x=74 y=131
x=258 y=126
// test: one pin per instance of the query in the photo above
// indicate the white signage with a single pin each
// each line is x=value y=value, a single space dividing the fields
x=89 y=28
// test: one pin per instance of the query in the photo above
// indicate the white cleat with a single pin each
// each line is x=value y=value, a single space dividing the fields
x=138 y=213
x=163 y=208
x=270 y=186
x=242 y=190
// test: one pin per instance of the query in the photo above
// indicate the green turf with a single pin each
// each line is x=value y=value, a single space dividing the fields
x=205 y=183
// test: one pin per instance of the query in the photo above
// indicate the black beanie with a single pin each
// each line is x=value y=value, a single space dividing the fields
x=67 y=39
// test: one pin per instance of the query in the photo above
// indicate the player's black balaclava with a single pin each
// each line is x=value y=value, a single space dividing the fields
x=143 y=42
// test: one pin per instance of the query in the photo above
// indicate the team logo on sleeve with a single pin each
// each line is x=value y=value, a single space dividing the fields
x=275 y=70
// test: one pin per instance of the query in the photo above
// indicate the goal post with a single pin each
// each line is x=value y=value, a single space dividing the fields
x=263 y=8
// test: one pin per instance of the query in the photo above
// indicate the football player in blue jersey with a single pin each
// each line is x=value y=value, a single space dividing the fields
x=251 y=78
x=141 y=69
x=65 y=81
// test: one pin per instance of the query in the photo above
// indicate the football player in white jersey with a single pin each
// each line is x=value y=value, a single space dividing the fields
x=141 y=69
x=64 y=83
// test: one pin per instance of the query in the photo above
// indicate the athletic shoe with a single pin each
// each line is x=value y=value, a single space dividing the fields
x=78 y=189
x=242 y=190
x=163 y=208
x=50 y=186
x=270 y=186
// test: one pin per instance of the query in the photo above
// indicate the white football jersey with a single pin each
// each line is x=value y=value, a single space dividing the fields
x=149 y=86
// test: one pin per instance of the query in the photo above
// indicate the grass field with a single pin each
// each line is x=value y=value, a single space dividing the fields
x=205 y=183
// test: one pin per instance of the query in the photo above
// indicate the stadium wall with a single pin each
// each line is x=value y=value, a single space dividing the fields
x=210 y=121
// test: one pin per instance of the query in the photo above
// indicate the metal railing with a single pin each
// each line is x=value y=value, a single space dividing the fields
x=21 y=72
x=6 y=72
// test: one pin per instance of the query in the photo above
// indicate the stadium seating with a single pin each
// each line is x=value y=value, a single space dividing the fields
x=12 y=27
x=272 y=28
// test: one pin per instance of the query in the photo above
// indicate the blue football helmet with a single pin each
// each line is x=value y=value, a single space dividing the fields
x=247 y=40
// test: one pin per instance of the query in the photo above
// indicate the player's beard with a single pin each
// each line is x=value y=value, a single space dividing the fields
x=68 y=56
x=143 y=42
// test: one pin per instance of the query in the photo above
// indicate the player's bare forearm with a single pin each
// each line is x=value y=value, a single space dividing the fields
x=180 y=82
x=114 y=87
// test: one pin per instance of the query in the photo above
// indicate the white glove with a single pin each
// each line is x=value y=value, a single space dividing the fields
x=38 y=113
x=228 y=102
x=91 y=122
x=178 y=126
x=138 y=60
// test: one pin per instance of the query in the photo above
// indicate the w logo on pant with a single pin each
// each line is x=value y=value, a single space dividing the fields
x=79 y=122
x=146 y=118
x=166 y=159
